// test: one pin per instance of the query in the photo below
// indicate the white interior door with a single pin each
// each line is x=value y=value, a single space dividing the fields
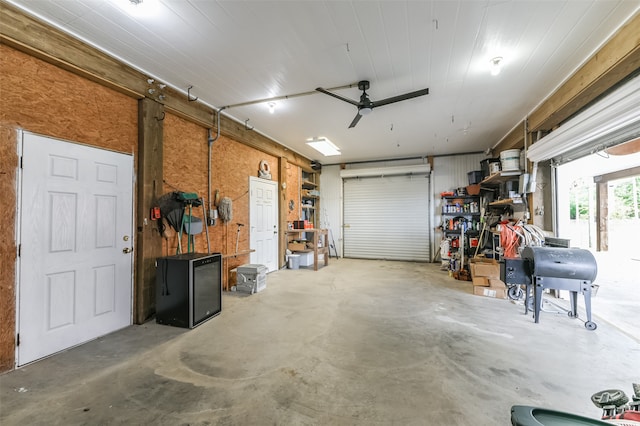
x=75 y=263
x=263 y=217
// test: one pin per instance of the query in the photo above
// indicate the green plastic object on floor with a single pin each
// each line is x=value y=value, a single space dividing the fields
x=523 y=415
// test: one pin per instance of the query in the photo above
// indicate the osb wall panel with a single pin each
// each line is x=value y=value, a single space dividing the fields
x=294 y=180
x=185 y=169
x=41 y=98
x=233 y=163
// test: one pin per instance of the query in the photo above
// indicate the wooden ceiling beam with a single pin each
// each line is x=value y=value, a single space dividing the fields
x=239 y=132
x=614 y=62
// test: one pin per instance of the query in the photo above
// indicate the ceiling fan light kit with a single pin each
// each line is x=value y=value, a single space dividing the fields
x=366 y=105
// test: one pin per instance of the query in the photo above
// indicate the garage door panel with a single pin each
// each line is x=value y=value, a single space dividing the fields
x=387 y=217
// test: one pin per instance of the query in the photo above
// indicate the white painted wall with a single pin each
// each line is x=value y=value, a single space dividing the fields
x=449 y=172
x=331 y=205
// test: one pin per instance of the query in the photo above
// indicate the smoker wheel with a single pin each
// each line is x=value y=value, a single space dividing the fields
x=572 y=315
x=515 y=292
x=590 y=325
x=609 y=397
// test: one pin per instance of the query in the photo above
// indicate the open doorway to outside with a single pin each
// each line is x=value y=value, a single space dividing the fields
x=599 y=209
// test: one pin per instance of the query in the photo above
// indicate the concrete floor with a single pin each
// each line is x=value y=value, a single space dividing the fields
x=356 y=343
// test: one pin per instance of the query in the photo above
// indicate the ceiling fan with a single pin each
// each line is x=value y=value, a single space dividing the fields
x=366 y=105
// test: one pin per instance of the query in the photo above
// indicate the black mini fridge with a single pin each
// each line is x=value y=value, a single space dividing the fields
x=188 y=289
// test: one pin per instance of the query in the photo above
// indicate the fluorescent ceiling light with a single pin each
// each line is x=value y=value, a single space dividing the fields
x=324 y=146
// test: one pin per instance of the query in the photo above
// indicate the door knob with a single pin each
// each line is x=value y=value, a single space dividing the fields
x=127 y=250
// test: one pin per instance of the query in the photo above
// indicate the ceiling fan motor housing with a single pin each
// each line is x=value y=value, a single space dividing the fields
x=363 y=85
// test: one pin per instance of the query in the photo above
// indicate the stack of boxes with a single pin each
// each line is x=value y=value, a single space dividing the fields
x=485 y=275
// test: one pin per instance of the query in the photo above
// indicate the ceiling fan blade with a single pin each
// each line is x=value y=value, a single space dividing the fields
x=399 y=98
x=342 y=98
x=355 y=120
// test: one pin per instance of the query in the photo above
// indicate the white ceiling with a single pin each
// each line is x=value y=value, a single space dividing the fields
x=237 y=51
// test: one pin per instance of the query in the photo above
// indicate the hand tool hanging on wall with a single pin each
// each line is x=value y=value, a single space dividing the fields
x=206 y=225
x=240 y=225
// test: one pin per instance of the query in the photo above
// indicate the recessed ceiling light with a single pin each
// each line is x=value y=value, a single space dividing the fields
x=324 y=146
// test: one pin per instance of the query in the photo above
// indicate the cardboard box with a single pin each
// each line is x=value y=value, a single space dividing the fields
x=497 y=293
x=295 y=246
x=496 y=283
x=482 y=267
x=481 y=281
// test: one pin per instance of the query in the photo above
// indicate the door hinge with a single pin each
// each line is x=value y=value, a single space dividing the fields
x=18 y=339
x=19 y=249
x=21 y=163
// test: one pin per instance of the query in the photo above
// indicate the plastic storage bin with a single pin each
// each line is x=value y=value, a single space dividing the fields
x=475 y=177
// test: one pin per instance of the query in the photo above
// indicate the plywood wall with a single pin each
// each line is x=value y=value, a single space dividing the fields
x=294 y=181
x=185 y=169
x=41 y=98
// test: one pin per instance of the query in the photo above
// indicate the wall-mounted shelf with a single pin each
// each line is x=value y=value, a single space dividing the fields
x=461 y=214
x=500 y=177
x=506 y=202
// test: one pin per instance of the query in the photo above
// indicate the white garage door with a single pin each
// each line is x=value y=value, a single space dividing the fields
x=76 y=238
x=387 y=217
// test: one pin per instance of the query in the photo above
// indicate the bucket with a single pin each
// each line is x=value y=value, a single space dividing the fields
x=510 y=159
x=293 y=261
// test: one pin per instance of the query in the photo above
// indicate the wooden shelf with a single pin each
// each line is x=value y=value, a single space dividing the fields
x=461 y=214
x=319 y=235
x=500 y=177
x=455 y=197
x=506 y=202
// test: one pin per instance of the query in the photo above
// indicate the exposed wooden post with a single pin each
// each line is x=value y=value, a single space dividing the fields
x=149 y=186
x=602 y=213
x=282 y=210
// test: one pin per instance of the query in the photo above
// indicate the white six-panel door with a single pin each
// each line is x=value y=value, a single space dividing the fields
x=75 y=264
x=263 y=218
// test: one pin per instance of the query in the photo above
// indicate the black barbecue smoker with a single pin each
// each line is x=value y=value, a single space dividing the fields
x=541 y=268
